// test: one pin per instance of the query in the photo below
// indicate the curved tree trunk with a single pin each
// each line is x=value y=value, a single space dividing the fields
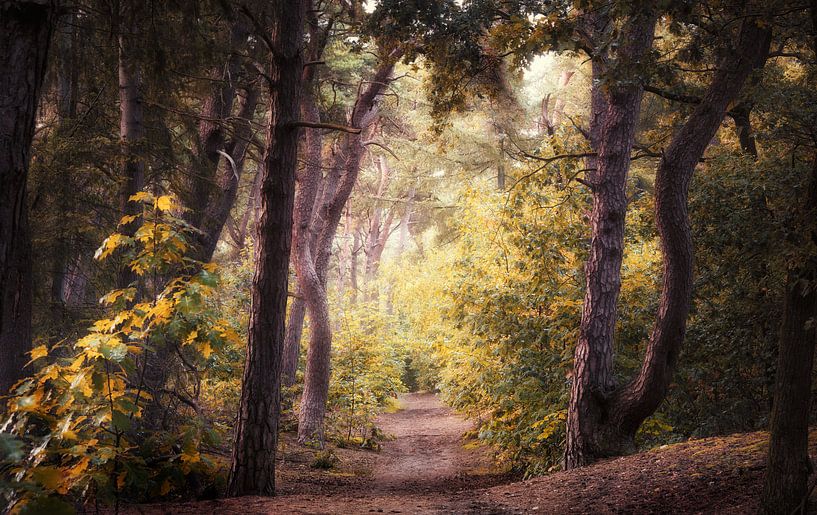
x=348 y=158
x=252 y=471
x=25 y=35
x=606 y=418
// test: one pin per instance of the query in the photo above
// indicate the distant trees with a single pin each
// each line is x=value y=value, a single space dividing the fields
x=26 y=27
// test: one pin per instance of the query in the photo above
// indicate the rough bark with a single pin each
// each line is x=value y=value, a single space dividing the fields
x=614 y=114
x=25 y=34
x=788 y=465
x=603 y=419
x=252 y=471
x=348 y=158
x=312 y=187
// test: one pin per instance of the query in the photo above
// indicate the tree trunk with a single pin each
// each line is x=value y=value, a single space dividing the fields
x=406 y=220
x=378 y=229
x=316 y=375
x=217 y=209
x=25 y=34
x=603 y=419
x=788 y=464
x=788 y=461
x=131 y=127
x=201 y=186
x=613 y=124
x=252 y=471
x=309 y=193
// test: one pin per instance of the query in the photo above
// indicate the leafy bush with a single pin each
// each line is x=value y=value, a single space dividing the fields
x=77 y=426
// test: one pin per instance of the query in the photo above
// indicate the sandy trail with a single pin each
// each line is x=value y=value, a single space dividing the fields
x=424 y=469
x=427 y=448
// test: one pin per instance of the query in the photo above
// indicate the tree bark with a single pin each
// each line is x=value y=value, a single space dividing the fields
x=788 y=465
x=614 y=115
x=316 y=375
x=25 y=35
x=252 y=471
x=216 y=210
x=131 y=126
x=603 y=419
x=379 y=230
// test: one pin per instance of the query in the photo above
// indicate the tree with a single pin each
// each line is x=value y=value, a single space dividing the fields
x=252 y=471
x=788 y=466
x=339 y=184
x=25 y=36
x=131 y=121
x=603 y=418
x=613 y=117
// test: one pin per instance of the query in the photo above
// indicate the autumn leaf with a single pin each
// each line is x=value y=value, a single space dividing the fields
x=164 y=203
x=39 y=352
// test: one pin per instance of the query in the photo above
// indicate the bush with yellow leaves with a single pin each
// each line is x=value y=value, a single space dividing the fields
x=76 y=429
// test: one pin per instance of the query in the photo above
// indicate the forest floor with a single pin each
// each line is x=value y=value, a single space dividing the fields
x=429 y=468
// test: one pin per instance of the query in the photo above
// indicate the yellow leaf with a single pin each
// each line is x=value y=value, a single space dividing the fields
x=164 y=203
x=49 y=477
x=165 y=487
x=120 y=480
x=127 y=219
x=191 y=337
x=39 y=352
x=80 y=467
x=190 y=456
x=142 y=195
x=206 y=350
x=77 y=362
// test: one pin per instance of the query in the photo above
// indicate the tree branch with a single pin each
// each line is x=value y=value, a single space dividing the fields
x=322 y=125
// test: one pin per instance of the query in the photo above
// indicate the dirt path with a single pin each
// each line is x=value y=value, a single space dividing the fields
x=428 y=448
x=426 y=468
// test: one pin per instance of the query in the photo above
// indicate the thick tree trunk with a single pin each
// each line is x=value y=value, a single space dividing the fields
x=316 y=375
x=613 y=124
x=788 y=465
x=603 y=419
x=252 y=471
x=310 y=286
x=25 y=34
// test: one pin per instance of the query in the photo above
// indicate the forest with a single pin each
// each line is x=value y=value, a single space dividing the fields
x=412 y=256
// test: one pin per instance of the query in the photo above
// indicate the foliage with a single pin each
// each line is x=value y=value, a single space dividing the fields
x=366 y=373
x=76 y=426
